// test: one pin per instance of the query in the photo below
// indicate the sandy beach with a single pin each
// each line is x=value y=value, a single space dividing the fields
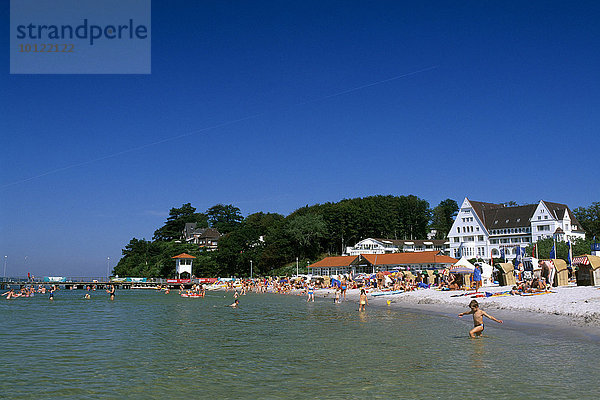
x=570 y=305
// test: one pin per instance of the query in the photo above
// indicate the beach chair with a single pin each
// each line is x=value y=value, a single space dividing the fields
x=562 y=273
x=507 y=274
x=430 y=276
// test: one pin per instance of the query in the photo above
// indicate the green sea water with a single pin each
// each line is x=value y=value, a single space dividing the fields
x=147 y=345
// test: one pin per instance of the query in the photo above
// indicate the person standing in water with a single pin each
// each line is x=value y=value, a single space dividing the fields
x=311 y=292
x=53 y=288
x=477 y=318
x=363 y=301
x=111 y=292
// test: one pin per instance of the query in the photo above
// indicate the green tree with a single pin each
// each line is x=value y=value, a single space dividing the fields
x=590 y=219
x=443 y=217
x=224 y=218
x=307 y=232
x=175 y=224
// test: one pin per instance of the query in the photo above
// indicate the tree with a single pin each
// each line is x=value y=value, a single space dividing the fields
x=443 y=217
x=175 y=224
x=589 y=219
x=224 y=218
x=307 y=231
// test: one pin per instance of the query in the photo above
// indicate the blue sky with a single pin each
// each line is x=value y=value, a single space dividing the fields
x=262 y=105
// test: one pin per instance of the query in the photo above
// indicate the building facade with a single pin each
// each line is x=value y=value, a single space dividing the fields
x=485 y=230
x=205 y=238
x=385 y=246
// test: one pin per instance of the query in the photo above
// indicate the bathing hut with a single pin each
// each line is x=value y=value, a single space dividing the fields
x=562 y=272
x=588 y=270
x=507 y=274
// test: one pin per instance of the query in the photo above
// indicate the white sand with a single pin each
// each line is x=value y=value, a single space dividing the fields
x=580 y=304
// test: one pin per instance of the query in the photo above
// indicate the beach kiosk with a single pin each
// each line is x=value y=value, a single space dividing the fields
x=588 y=270
x=507 y=274
x=183 y=263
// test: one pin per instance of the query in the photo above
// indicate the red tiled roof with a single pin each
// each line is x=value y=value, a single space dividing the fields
x=419 y=257
x=184 y=255
x=340 y=261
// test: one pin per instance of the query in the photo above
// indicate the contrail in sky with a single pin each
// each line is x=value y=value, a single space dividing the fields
x=212 y=127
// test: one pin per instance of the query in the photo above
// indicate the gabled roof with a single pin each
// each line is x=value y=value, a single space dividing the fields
x=422 y=257
x=558 y=210
x=498 y=216
x=480 y=207
x=208 y=233
x=183 y=255
x=339 y=261
x=509 y=217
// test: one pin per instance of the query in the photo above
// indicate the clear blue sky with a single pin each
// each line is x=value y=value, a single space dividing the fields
x=509 y=112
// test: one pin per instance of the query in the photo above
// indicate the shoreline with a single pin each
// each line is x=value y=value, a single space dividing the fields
x=562 y=310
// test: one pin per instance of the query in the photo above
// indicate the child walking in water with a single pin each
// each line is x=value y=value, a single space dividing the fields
x=363 y=301
x=477 y=318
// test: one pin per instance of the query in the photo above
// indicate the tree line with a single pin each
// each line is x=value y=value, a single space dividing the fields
x=274 y=242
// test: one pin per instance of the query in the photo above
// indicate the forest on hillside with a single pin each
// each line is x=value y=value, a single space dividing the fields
x=273 y=241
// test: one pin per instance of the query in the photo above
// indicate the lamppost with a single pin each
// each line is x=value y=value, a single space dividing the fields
x=296 y=266
x=250 y=269
x=107 y=269
x=5 y=260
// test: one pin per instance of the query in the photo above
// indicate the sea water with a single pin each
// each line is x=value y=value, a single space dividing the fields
x=146 y=345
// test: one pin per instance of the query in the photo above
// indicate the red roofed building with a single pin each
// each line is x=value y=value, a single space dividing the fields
x=371 y=263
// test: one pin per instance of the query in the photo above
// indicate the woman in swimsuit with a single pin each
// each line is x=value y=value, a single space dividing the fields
x=111 y=292
x=311 y=293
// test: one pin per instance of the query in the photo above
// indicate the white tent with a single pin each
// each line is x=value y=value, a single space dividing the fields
x=486 y=274
x=462 y=266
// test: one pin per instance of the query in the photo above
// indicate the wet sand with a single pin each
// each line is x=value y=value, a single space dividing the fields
x=567 y=308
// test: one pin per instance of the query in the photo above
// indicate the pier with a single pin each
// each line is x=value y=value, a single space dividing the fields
x=72 y=283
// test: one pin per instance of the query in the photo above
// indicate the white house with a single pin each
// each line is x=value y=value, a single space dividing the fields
x=385 y=246
x=484 y=229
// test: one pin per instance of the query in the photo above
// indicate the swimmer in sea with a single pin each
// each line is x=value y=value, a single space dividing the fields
x=87 y=296
x=363 y=301
x=477 y=318
x=10 y=294
x=235 y=304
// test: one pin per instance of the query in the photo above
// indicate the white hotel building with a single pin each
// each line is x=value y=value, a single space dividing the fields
x=484 y=229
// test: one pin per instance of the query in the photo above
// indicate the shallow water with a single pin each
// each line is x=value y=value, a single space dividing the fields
x=147 y=344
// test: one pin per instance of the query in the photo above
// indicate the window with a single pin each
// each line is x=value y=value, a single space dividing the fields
x=456 y=240
x=545 y=217
x=539 y=217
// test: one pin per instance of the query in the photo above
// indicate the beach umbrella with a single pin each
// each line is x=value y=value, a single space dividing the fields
x=462 y=266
